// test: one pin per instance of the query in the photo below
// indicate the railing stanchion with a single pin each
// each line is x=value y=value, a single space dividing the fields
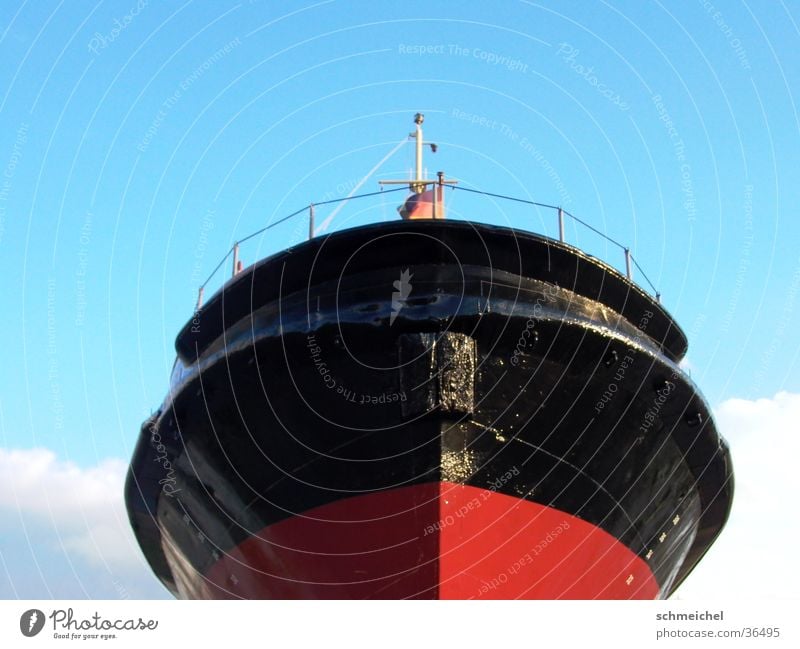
x=628 y=272
x=235 y=258
x=440 y=199
x=199 y=299
x=311 y=221
x=560 y=225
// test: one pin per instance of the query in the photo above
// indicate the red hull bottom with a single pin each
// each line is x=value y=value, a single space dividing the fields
x=437 y=541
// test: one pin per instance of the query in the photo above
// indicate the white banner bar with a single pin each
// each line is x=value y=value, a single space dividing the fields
x=401 y=625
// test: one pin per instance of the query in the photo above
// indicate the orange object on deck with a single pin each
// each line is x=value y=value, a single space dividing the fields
x=421 y=206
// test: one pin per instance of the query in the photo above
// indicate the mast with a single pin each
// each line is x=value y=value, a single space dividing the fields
x=418 y=185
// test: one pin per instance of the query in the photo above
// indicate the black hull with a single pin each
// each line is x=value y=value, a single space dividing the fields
x=515 y=365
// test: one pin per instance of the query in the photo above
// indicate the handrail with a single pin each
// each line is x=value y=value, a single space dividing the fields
x=628 y=256
x=310 y=208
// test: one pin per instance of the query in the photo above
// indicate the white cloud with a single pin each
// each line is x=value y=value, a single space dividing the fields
x=54 y=512
x=754 y=556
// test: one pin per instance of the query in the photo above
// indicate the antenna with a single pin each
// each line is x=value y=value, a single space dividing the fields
x=418 y=119
x=419 y=184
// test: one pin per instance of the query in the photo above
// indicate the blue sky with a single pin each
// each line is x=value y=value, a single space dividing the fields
x=140 y=139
